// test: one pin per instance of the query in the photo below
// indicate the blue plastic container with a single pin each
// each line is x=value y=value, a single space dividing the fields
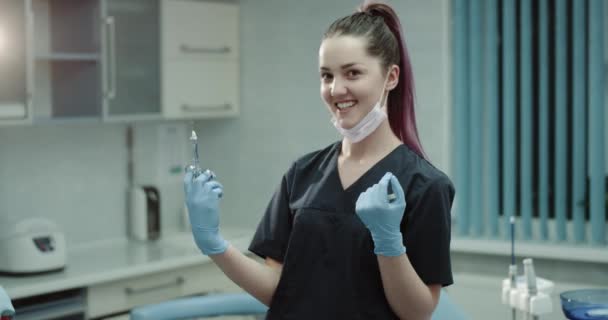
x=585 y=304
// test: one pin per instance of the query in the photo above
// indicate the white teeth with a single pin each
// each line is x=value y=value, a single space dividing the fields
x=344 y=105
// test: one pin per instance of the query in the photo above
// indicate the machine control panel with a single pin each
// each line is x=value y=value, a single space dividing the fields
x=44 y=244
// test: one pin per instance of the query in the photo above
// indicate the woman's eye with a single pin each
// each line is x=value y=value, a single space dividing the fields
x=326 y=76
x=353 y=73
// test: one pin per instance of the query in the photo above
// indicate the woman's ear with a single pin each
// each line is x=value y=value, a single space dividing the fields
x=393 y=77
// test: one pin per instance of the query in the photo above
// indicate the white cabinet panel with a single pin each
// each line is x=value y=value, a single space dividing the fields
x=207 y=88
x=200 y=59
x=197 y=30
x=122 y=295
x=131 y=59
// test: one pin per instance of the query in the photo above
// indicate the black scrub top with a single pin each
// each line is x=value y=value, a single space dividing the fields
x=330 y=270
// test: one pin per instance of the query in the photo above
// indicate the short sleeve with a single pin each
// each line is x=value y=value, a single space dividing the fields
x=426 y=233
x=272 y=235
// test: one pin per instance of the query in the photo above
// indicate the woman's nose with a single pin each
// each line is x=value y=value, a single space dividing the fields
x=337 y=88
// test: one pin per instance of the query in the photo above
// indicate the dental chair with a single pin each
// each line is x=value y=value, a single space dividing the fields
x=6 y=307
x=244 y=304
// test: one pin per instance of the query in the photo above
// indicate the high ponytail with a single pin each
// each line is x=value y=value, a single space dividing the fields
x=379 y=24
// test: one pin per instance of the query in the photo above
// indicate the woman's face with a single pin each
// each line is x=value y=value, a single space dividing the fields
x=352 y=82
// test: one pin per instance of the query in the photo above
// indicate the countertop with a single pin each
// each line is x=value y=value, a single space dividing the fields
x=120 y=259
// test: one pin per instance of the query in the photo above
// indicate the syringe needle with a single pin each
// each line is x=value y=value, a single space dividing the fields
x=195 y=165
x=194 y=140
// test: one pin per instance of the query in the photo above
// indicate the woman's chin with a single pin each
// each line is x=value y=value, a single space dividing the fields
x=346 y=123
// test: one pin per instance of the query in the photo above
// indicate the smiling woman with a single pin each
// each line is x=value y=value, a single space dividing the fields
x=357 y=83
x=335 y=233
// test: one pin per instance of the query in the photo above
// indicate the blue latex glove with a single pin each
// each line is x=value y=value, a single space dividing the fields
x=383 y=216
x=203 y=195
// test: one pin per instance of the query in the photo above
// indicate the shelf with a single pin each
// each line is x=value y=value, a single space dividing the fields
x=64 y=56
x=579 y=253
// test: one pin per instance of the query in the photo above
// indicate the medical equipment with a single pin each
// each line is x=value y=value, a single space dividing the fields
x=391 y=195
x=365 y=127
x=144 y=213
x=194 y=166
x=512 y=267
x=6 y=307
x=214 y=305
x=531 y=294
x=532 y=301
x=528 y=293
x=205 y=306
x=585 y=304
x=31 y=246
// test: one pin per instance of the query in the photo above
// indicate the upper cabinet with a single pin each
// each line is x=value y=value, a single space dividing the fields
x=15 y=71
x=200 y=30
x=66 y=60
x=131 y=59
x=96 y=60
x=117 y=60
x=200 y=59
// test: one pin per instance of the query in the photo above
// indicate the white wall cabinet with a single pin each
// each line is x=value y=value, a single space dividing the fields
x=66 y=60
x=122 y=295
x=200 y=59
x=117 y=60
x=200 y=89
x=131 y=60
x=89 y=63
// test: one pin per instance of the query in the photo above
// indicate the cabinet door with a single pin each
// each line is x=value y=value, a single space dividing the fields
x=200 y=30
x=131 y=59
x=196 y=89
x=66 y=50
x=15 y=55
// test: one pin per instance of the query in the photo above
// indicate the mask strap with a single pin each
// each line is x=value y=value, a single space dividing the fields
x=384 y=96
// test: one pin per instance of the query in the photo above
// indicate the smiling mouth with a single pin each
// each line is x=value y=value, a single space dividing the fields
x=344 y=105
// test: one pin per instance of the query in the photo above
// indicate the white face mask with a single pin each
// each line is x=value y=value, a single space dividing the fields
x=367 y=125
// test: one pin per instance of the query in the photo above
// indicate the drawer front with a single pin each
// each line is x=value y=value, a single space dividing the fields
x=195 y=29
x=123 y=295
x=200 y=89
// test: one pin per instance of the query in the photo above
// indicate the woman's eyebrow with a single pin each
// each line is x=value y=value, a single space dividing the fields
x=344 y=66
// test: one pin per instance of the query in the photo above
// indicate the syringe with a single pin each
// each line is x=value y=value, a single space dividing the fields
x=391 y=195
x=194 y=166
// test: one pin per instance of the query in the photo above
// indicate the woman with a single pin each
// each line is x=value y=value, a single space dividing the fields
x=338 y=240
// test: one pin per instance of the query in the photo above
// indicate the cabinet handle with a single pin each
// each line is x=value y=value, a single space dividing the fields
x=30 y=71
x=204 y=50
x=175 y=283
x=112 y=32
x=199 y=108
